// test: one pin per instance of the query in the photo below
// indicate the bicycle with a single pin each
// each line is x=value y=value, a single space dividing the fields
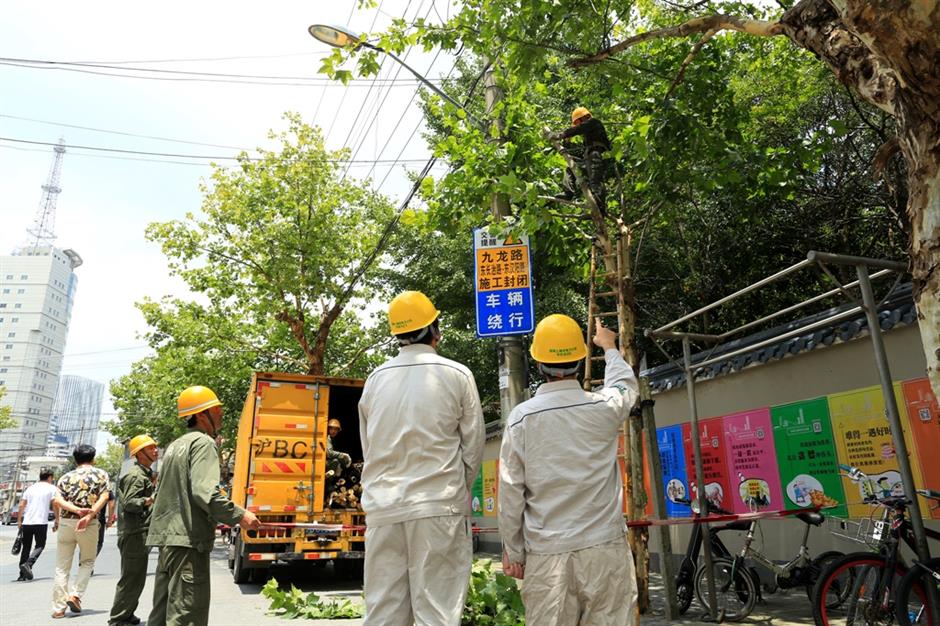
x=801 y=571
x=871 y=576
x=908 y=610
x=685 y=578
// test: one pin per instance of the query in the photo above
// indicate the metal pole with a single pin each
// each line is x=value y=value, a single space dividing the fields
x=700 y=478
x=894 y=420
x=666 y=568
x=845 y=259
x=424 y=81
x=512 y=361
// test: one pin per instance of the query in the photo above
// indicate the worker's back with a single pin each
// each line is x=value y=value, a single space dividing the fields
x=422 y=436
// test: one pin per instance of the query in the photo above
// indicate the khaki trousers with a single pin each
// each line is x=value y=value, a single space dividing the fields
x=66 y=542
x=417 y=572
x=591 y=587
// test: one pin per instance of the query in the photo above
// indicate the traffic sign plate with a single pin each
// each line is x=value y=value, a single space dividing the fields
x=503 y=285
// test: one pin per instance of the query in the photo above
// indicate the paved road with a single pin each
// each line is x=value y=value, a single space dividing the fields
x=235 y=605
x=31 y=602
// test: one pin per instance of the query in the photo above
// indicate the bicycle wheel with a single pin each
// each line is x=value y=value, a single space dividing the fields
x=735 y=592
x=840 y=588
x=869 y=601
x=910 y=602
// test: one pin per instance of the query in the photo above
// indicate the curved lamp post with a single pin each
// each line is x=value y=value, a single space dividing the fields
x=340 y=37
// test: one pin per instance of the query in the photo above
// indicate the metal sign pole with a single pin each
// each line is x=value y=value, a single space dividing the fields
x=894 y=420
x=700 y=478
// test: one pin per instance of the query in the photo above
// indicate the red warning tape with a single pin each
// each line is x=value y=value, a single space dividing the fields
x=645 y=523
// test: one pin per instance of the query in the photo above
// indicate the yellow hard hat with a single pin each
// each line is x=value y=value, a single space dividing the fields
x=558 y=339
x=196 y=399
x=578 y=113
x=334 y=423
x=410 y=311
x=140 y=442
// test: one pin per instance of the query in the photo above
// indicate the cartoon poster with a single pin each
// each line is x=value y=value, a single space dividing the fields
x=476 y=496
x=924 y=417
x=752 y=461
x=806 y=456
x=675 y=479
x=489 y=488
x=863 y=440
x=714 y=461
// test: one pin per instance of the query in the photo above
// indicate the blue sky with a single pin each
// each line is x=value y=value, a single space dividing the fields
x=106 y=203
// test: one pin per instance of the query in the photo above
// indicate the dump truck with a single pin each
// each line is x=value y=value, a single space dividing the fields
x=280 y=475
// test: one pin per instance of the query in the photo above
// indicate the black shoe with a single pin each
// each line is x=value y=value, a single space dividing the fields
x=26 y=571
x=20 y=580
x=133 y=619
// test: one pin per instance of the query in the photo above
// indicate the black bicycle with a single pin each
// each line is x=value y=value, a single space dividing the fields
x=685 y=579
x=872 y=578
x=909 y=605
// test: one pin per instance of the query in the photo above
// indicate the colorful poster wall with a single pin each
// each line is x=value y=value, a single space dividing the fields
x=476 y=496
x=752 y=461
x=714 y=461
x=863 y=440
x=924 y=418
x=806 y=456
x=490 y=479
x=675 y=477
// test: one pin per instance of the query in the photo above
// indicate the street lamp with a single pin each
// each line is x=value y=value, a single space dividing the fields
x=339 y=37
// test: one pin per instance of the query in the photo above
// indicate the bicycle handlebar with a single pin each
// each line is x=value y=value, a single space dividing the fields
x=711 y=507
x=929 y=493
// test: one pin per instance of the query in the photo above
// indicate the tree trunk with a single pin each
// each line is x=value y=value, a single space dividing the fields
x=922 y=152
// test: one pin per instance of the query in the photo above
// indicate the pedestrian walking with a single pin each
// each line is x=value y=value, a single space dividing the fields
x=33 y=521
x=82 y=493
x=422 y=435
x=188 y=504
x=135 y=499
x=561 y=523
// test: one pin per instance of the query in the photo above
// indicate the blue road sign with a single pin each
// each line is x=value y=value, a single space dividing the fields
x=503 y=285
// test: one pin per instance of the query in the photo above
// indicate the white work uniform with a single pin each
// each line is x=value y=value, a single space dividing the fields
x=422 y=441
x=561 y=501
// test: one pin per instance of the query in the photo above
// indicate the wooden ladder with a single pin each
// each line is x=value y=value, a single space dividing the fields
x=605 y=302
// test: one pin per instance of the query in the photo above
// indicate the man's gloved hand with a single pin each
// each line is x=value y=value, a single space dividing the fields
x=345 y=459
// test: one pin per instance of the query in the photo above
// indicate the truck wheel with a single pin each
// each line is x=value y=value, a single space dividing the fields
x=240 y=573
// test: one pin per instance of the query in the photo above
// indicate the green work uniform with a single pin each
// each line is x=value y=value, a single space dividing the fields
x=188 y=504
x=134 y=488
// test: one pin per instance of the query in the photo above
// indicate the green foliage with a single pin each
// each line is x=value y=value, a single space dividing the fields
x=110 y=459
x=6 y=413
x=295 y=604
x=493 y=598
x=273 y=257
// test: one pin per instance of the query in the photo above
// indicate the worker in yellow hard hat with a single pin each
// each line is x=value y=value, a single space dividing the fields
x=589 y=155
x=188 y=504
x=135 y=499
x=336 y=461
x=561 y=523
x=422 y=433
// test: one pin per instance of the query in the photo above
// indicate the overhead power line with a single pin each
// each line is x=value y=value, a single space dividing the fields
x=118 y=132
x=185 y=156
x=150 y=73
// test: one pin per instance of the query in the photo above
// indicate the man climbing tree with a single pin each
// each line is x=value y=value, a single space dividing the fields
x=589 y=155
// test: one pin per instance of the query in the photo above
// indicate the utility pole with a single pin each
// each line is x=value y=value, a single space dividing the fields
x=511 y=354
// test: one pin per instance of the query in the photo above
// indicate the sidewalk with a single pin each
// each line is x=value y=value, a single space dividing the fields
x=781 y=608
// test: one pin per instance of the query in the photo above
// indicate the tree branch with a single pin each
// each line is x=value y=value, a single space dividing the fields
x=719 y=22
x=688 y=60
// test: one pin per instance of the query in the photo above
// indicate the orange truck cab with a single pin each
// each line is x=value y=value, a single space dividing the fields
x=280 y=474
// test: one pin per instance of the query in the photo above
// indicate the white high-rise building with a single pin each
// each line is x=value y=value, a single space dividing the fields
x=75 y=414
x=37 y=290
